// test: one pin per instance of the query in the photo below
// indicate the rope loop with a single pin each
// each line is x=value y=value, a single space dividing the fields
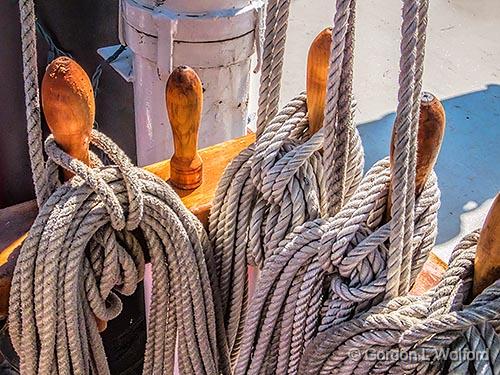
x=438 y=332
x=84 y=250
x=93 y=178
x=328 y=271
x=272 y=187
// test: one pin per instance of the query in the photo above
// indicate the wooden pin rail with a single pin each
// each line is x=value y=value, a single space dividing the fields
x=15 y=221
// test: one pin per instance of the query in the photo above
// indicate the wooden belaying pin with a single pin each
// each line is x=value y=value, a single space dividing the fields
x=184 y=99
x=69 y=108
x=487 y=261
x=432 y=123
x=318 y=60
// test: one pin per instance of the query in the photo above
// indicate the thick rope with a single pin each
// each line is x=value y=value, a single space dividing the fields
x=32 y=101
x=87 y=244
x=403 y=173
x=273 y=52
x=338 y=124
x=278 y=183
x=327 y=272
x=269 y=189
x=436 y=333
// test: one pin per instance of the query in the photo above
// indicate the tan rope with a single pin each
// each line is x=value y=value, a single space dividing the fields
x=31 y=97
x=83 y=249
x=272 y=187
x=273 y=51
x=328 y=271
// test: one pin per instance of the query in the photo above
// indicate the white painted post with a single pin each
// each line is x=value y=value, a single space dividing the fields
x=216 y=38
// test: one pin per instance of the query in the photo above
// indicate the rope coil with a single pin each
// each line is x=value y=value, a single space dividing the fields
x=82 y=249
x=326 y=272
x=265 y=192
x=280 y=182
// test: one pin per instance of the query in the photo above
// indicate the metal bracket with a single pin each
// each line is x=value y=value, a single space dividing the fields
x=123 y=63
x=166 y=23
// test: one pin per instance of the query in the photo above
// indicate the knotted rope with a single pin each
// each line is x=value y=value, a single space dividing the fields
x=266 y=191
x=84 y=247
x=278 y=183
x=328 y=271
x=89 y=243
x=432 y=334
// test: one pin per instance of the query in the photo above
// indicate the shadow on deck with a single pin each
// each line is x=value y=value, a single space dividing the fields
x=468 y=167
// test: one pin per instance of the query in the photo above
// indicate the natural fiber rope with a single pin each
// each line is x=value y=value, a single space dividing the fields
x=338 y=119
x=339 y=267
x=326 y=272
x=32 y=101
x=266 y=191
x=403 y=172
x=84 y=247
x=89 y=242
x=273 y=51
x=432 y=334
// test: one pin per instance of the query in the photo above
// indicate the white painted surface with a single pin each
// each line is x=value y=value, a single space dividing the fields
x=462 y=69
x=217 y=42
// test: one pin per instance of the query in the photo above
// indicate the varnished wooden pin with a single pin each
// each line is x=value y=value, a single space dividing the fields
x=432 y=123
x=487 y=261
x=318 y=60
x=184 y=99
x=69 y=107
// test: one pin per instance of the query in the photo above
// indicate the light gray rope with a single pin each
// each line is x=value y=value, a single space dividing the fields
x=403 y=176
x=270 y=188
x=339 y=127
x=32 y=101
x=327 y=272
x=278 y=183
x=432 y=334
x=273 y=51
x=83 y=249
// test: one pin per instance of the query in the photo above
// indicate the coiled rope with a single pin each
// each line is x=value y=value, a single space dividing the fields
x=89 y=242
x=328 y=271
x=436 y=333
x=82 y=249
x=278 y=183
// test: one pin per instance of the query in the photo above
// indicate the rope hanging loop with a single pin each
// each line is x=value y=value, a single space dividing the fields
x=330 y=270
x=447 y=330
